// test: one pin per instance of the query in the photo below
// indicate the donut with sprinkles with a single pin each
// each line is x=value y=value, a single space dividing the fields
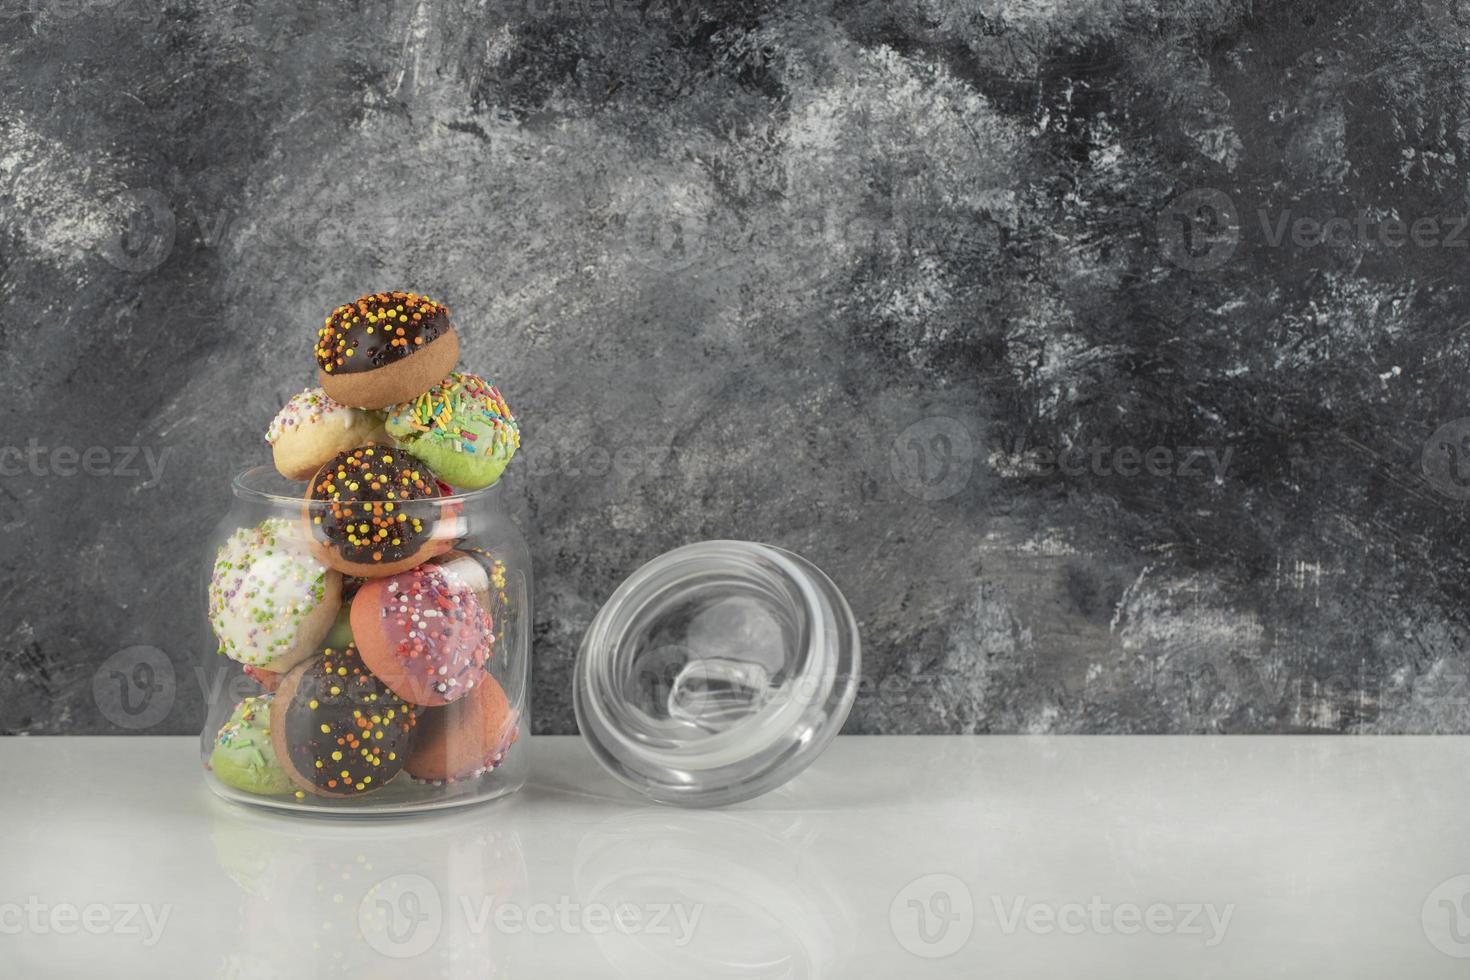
x=424 y=633
x=312 y=428
x=271 y=600
x=385 y=348
x=374 y=511
x=462 y=428
x=336 y=729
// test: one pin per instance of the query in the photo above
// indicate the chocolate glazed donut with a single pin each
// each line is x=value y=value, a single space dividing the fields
x=336 y=729
x=373 y=511
x=385 y=348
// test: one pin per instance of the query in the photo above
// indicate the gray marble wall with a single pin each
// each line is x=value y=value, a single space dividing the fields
x=1109 y=354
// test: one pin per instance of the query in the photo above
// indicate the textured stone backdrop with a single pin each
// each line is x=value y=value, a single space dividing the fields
x=1108 y=354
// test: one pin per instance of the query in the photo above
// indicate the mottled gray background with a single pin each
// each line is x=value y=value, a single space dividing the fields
x=849 y=271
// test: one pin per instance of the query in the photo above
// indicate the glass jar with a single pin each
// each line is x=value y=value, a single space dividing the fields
x=393 y=693
x=717 y=672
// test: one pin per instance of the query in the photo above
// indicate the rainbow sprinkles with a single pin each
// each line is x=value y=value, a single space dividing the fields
x=454 y=409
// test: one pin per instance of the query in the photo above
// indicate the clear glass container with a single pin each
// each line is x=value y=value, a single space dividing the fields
x=393 y=693
x=717 y=672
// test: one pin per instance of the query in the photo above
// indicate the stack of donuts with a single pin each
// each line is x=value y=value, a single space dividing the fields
x=367 y=622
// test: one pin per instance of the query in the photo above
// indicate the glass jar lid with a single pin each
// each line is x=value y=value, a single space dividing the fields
x=716 y=672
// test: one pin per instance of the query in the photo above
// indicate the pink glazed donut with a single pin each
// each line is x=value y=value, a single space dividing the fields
x=423 y=633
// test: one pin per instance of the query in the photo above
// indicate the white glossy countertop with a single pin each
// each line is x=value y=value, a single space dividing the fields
x=891 y=857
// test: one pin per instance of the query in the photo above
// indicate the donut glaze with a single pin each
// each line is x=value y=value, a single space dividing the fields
x=338 y=730
x=462 y=428
x=385 y=348
x=465 y=739
x=313 y=427
x=243 y=756
x=270 y=600
x=370 y=512
x=424 y=633
x=467 y=570
x=377 y=330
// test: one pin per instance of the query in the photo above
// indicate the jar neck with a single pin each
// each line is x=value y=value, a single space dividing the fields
x=488 y=502
x=263 y=486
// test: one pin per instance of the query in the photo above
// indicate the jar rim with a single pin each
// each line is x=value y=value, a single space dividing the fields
x=249 y=484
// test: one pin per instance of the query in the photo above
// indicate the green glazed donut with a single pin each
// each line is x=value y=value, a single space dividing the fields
x=243 y=756
x=461 y=429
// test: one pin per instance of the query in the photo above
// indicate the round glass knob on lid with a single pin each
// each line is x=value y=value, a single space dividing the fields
x=716 y=672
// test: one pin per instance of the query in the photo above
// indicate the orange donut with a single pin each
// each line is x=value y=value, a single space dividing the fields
x=465 y=739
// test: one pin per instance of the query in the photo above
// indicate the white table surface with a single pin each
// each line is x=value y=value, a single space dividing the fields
x=1014 y=857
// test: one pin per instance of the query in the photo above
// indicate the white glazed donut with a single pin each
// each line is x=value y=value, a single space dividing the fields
x=271 y=603
x=312 y=428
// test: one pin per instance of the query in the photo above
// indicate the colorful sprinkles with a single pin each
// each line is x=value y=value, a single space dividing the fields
x=438 y=634
x=463 y=411
x=262 y=587
x=378 y=329
x=244 y=757
x=307 y=408
x=346 y=732
x=241 y=732
x=370 y=515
